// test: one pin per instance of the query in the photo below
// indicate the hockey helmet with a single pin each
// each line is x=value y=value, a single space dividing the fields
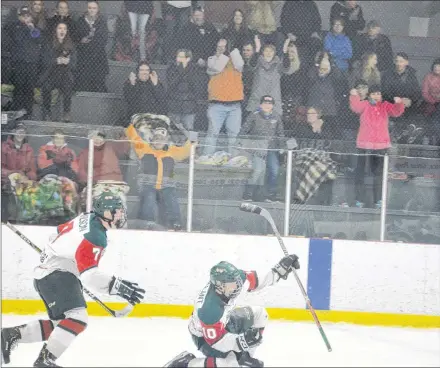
x=227 y=279
x=108 y=201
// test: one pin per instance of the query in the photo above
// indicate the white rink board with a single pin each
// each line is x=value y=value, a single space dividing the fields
x=386 y=277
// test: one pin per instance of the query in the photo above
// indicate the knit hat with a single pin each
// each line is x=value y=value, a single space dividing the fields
x=374 y=88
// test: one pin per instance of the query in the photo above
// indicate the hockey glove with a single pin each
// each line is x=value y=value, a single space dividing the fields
x=285 y=266
x=249 y=339
x=127 y=290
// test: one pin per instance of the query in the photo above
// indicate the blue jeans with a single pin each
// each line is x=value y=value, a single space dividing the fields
x=148 y=207
x=219 y=114
x=259 y=166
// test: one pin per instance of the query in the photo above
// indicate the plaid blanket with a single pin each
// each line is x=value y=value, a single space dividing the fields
x=312 y=168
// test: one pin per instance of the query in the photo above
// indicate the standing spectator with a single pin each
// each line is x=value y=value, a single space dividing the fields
x=144 y=93
x=139 y=12
x=301 y=22
x=374 y=42
x=366 y=70
x=248 y=54
x=56 y=158
x=402 y=81
x=267 y=126
x=351 y=12
x=24 y=42
x=262 y=21
x=157 y=160
x=267 y=78
x=200 y=37
x=62 y=16
x=176 y=15
x=39 y=14
x=92 y=34
x=237 y=33
x=431 y=95
x=60 y=63
x=339 y=45
x=225 y=94
x=373 y=138
x=182 y=82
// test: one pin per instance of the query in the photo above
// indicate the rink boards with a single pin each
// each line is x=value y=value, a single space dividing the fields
x=347 y=281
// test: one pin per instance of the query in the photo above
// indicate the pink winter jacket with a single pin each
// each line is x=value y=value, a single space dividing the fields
x=373 y=131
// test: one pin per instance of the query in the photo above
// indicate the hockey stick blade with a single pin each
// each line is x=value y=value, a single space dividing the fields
x=115 y=313
x=252 y=208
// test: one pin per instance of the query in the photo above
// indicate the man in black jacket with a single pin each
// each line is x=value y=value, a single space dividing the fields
x=24 y=42
x=351 y=13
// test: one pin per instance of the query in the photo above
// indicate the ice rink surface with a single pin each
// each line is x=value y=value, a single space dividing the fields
x=152 y=342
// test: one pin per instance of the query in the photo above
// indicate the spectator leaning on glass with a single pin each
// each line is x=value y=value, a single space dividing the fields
x=157 y=161
x=183 y=90
x=144 y=93
x=339 y=45
x=24 y=42
x=61 y=16
x=92 y=34
x=59 y=62
x=373 y=138
x=225 y=90
x=266 y=127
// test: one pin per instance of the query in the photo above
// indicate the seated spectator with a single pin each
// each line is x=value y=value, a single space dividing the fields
x=374 y=42
x=60 y=63
x=301 y=22
x=39 y=14
x=431 y=95
x=18 y=167
x=248 y=55
x=144 y=93
x=373 y=138
x=339 y=45
x=62 y=16
x=139 y=12
x=351 y=12
x=237 y=32
x=267 y=77
x=225 y=94
x=262 y=21
x=267 y=126
x=157 y=160
x=107 y=175
x=183 y=90
x=366 y=70
x=23 y=40
x=92 y=34
x=326 y=88
x=56 y=158
x=199 y=36
x=292 y=84
x=402 y=81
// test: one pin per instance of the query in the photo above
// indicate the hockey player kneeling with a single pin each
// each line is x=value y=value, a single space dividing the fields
x=225 y=334
x=73 y=256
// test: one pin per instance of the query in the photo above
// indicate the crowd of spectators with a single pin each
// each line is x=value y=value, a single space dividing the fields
x=271 y=72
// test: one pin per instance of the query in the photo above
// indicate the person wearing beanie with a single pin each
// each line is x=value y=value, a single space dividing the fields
x=373 y=139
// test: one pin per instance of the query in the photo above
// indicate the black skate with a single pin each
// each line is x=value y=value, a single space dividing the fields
x=247 y=361
x=45 y=359
x=180 y=361
x=10 y=337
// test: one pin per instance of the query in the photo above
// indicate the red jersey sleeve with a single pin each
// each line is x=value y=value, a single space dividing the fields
x=252 y=277
x=213 y=333
x=88 y=255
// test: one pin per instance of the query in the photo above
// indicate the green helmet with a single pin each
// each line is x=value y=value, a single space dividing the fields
x=108 y=201
x=225 y=273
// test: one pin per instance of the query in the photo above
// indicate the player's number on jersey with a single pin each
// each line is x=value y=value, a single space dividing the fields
x=210 y=333
x=96 y=251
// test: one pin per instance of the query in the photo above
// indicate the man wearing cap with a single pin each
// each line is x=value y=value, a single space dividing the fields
x=266 y=124
x=24 y=42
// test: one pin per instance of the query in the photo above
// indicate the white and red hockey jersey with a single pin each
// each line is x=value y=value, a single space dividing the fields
x=77 y=248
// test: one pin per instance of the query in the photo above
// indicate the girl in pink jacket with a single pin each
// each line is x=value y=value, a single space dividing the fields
x=373 y=138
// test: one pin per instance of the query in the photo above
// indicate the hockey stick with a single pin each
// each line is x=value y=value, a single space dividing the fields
x=122 y=313
x=252 y=208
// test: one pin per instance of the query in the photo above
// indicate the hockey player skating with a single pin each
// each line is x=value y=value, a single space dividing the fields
x=73 y=256
x=227 y=335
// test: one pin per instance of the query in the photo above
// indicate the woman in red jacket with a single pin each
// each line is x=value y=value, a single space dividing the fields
x=373 y=138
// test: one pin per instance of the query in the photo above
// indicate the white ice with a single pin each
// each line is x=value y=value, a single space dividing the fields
x=152 y=342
